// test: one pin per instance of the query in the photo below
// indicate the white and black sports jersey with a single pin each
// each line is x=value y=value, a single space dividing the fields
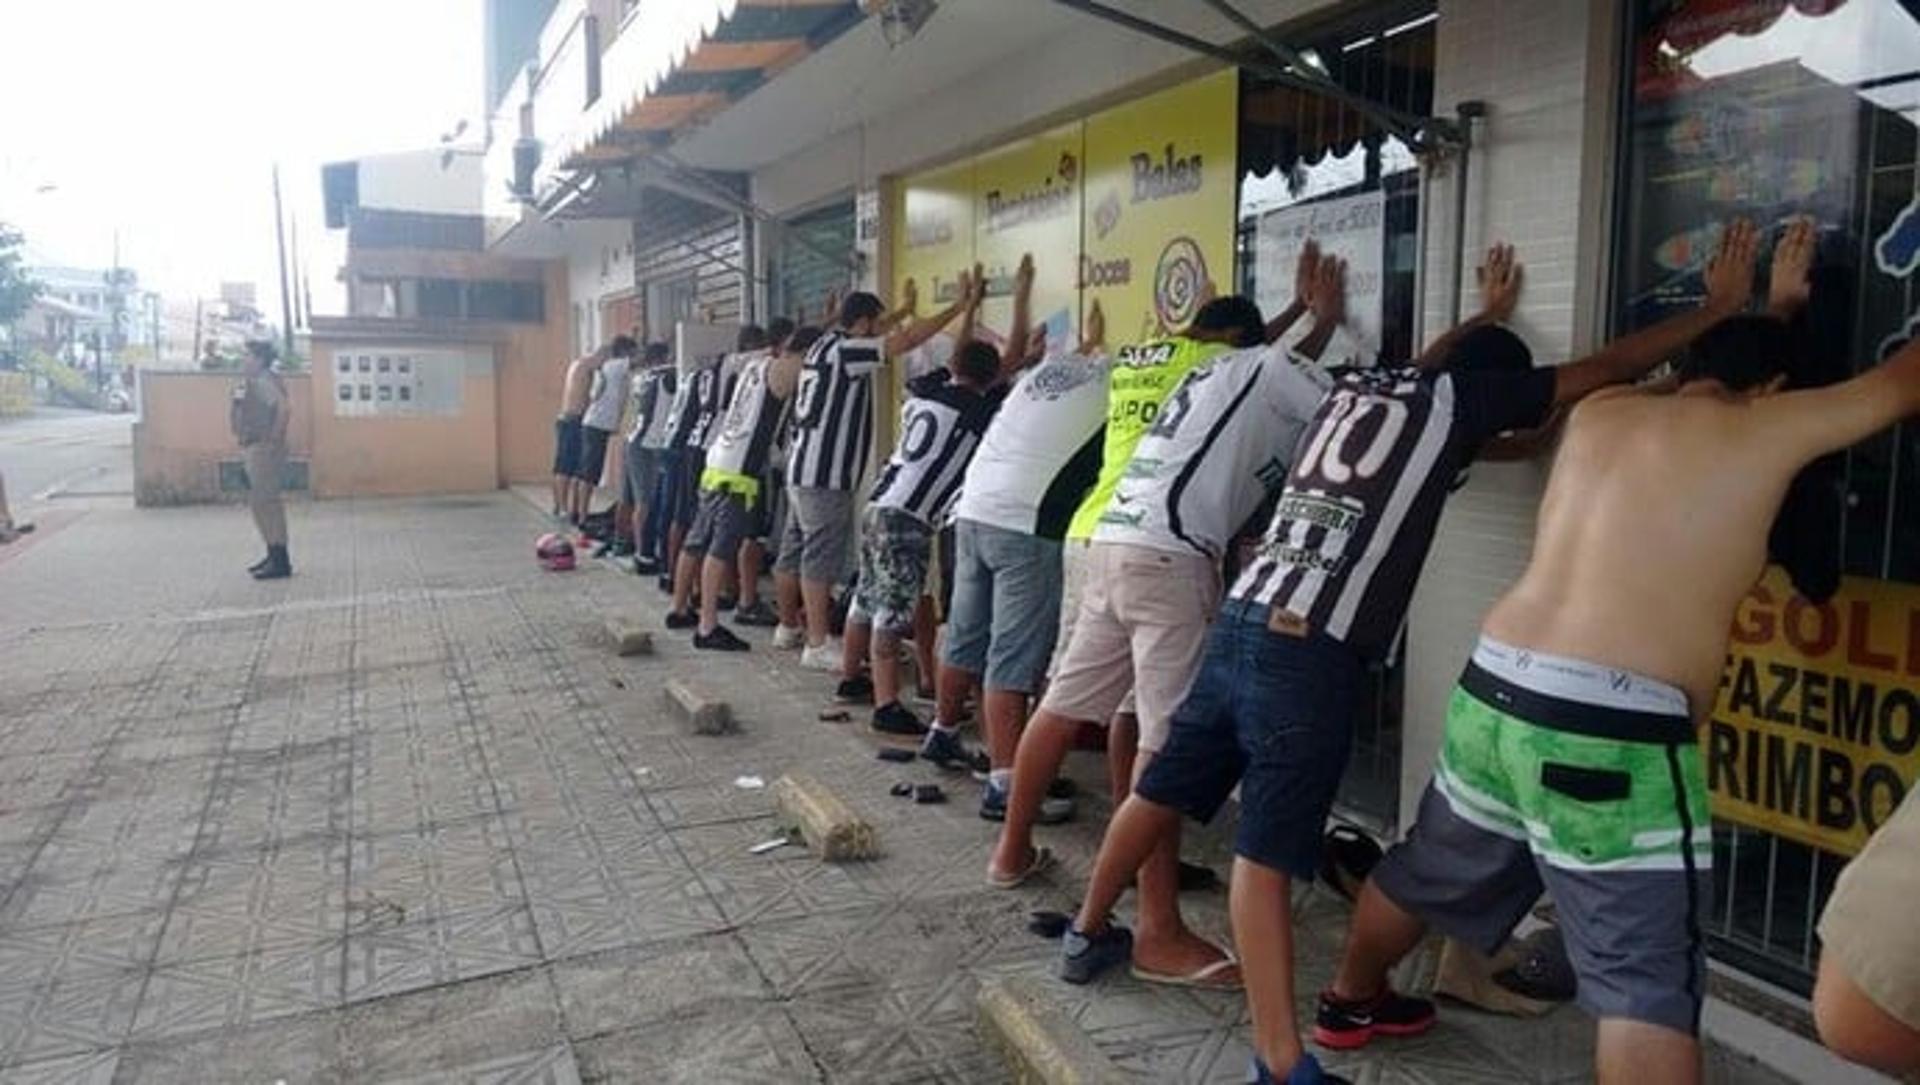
x=833 y=413
x=691 y=400
x=743 y=440
x=1360 y=508
x=1042 y=453
x=1223 y=440
x=940 y=426
x=707 y=429
x=652 y=394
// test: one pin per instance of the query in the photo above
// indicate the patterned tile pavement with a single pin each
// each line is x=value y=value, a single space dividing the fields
x=405 y=819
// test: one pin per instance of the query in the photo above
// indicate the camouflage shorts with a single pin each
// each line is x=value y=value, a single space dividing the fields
x=895 y=549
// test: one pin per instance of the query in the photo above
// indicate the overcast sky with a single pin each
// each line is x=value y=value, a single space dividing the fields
x=163 y=120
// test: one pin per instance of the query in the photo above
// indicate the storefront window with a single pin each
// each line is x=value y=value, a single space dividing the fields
x=813 y=258
x=1309 y=167
x=1770 y=109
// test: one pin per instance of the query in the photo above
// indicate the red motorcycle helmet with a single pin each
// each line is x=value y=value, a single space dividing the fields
x=555 y=552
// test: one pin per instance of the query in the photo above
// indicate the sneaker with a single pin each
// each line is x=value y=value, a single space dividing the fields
x=1307 y=1071
x=721 y=639
x=1345 y=1026
x=666 y=582
x=993 y=806
x=824 y=656
x=621 y=548
x=1084 y=956
x=645 y=566
x=729 y=602
x=682 y=619
x=945 y=750
x=855 y=690
x=786 y=638
x=895 y=718
x=759 y=615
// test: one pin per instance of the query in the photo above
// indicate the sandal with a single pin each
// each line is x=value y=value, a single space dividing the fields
x=1042 y=859
x=1205 y=978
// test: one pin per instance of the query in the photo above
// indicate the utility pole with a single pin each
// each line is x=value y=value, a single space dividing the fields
x=293 y=228
x=280 y=241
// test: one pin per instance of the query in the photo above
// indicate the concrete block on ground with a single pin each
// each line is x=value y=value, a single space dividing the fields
x=1040 y=1043
x=703 y=714
x=828 y=825
x=629 y=639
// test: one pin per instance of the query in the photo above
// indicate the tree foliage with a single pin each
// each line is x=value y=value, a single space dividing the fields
x=17 y=291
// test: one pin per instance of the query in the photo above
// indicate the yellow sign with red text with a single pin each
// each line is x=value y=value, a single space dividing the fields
x=1816 y=733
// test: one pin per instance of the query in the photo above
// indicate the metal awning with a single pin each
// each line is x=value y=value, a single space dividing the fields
x=675 y=64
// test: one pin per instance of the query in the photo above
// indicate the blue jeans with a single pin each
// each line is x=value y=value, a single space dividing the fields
x=1005 y=612
x=1272 y=713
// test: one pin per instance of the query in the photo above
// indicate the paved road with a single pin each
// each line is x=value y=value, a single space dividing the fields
x=404 y=818
x=55 y=452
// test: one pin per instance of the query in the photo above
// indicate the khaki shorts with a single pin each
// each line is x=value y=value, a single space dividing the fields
x=1868 y=927
x=1142 y=626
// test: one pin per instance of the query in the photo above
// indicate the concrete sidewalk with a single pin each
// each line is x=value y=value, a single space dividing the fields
x=406 y=818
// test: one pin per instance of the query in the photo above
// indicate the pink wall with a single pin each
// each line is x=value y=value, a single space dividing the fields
x=391 y=456
x=183 y=434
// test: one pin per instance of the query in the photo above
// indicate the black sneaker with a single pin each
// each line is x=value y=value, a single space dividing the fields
x=682 y=620
x=645 y=566
x=1084 y=956
x=897 y=719
x=720 y=640
x=858 y=690
x=945 y=750
x=622 y=548
x=729 y=602
x=1345 y=1026
x=759 y=615
x=666 y=582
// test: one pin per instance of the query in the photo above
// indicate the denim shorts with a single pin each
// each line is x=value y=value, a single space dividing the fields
x=1272 y=713
x=1006 y=605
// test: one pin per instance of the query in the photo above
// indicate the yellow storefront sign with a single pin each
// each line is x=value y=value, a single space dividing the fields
x=1134 y=206
x=1816 y=734
x=1162 y=184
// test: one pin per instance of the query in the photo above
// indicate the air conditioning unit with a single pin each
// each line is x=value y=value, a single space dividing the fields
x=526 y=159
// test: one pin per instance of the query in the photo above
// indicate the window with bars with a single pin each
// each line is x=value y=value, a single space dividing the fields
x=1311 y=165
x=1773 y=110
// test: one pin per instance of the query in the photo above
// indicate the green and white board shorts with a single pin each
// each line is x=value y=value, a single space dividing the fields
x=1585 y=782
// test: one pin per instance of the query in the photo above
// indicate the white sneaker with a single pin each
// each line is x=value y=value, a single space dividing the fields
x=824 y=656
x=787 y=638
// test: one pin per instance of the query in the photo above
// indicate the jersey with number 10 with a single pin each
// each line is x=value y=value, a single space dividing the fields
x=1361 y=507
x=1142 y=378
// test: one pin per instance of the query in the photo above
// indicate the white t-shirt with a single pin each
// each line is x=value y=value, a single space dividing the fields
x=1223 y=440
x=1042 y=453
x=609 y=395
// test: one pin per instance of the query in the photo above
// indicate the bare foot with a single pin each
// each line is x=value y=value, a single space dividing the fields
x=1185 y=955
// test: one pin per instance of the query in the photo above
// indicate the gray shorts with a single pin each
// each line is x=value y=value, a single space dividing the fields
x=641 y=484
x=817 y=541
x=720 y=526
x=1006 y=605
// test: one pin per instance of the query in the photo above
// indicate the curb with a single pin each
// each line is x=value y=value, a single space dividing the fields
x=829 y=826
x=1041 y=1044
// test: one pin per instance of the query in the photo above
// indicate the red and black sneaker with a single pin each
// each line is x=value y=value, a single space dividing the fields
x=1344 y=1026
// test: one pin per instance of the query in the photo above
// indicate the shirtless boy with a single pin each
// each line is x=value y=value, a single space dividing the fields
x=1570 y=760
x=569 y=434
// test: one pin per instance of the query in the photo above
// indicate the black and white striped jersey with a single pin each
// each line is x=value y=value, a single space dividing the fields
x=1222 y=441
x=833 y=413
x=693 y=400
x=1362 y=503
x=940 y=427
x=652 y=395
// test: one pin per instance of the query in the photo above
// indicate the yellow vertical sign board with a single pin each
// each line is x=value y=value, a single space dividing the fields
x=1815 y=735
x=933 y=233
x=1162 y=185
x=1134 y=206
x=1027 y=200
